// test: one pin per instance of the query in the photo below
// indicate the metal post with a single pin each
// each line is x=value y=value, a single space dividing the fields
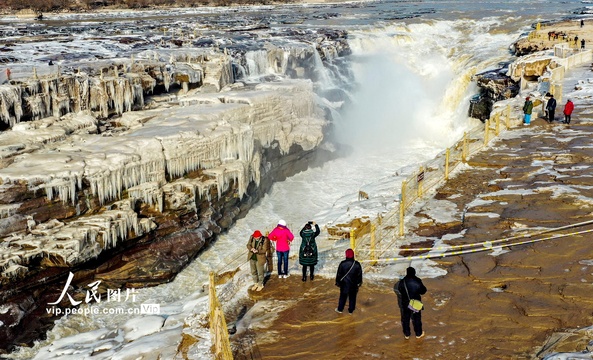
x=373 y=255
x=380 y=222
x=497 y=124
x=486 y=126
x=352 y=239
x=402 y=208
x=508 y=116
x=211 y=295
x=464 y=149
x=419 y=183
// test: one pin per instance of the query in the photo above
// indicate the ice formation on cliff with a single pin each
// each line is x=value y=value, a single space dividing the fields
x=212 y=129
x=69 y=244
x=112 y=87
x=170 y=144
x=10 y=103
x=217 y=134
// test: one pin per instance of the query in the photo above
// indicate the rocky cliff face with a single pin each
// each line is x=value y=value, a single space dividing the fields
x=504 y=83
x=104 y=178
x=494 y=86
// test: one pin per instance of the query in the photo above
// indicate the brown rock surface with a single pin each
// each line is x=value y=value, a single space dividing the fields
x=539 y=39
x=522 y=303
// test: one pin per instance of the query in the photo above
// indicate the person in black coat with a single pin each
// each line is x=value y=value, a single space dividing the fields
x=411 y=287
x=551 y=107
x=308 y=251
x=348 y=279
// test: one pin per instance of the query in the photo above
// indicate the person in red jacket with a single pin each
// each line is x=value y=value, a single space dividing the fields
x=568 y=108
x=283 y=237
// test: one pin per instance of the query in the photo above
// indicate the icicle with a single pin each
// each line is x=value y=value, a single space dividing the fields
x=150 y=193
x=10 y=104
x=8 y=210
x=166 y=79
x=75 y=242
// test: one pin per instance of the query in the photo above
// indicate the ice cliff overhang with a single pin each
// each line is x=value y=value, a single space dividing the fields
x=217 y=134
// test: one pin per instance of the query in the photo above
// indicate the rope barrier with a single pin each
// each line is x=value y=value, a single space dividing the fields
x=456 y=253
x=483 y=246
x=490 y=242
x=230 y=265
x=227 y=265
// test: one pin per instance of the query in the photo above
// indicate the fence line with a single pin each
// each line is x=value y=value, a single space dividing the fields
x=377 y=236
x=485 y=246
x=374 y=239
x=218 y=329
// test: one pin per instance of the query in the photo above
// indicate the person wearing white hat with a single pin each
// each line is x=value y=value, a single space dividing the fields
x=283 y=237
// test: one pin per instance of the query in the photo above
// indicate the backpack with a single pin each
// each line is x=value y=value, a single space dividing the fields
x=308 y=251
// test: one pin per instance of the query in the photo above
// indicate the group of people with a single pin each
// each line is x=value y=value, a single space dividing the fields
x=348 y=275
x=553 y=35
x=550 y=110
x=260 y=252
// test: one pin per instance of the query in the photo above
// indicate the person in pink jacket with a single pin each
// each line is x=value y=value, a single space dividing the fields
x=282 y=236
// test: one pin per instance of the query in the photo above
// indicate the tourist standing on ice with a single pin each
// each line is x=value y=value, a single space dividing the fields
x=283 y=237
x=348 y=279
x=568 y=108
x=527 y=110
x=270 y=259
x=411 y=287
x=551 y=107
x=308 y=250
x=258 y=247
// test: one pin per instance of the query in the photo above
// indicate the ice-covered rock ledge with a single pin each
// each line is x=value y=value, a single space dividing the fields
x=133 y=206
x=121 y=166
x=109 y=87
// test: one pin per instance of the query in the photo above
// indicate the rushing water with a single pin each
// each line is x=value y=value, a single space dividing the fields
x=413 y=62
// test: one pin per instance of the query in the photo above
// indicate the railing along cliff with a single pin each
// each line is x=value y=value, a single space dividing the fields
x=218 y=328
x=376 y=238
